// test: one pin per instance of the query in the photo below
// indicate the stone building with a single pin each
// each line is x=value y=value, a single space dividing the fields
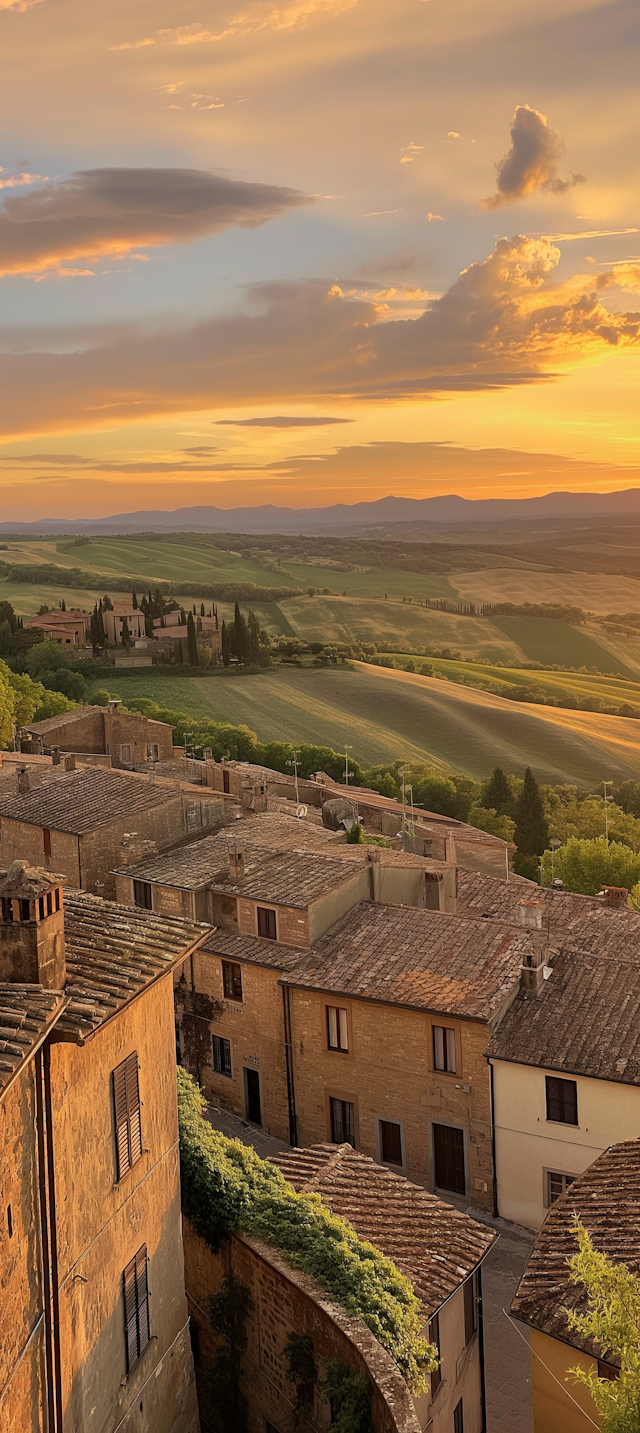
x=439 y=1249
x=113 y=619
x=83 y=822
x=95 y=1326
x=390 y=1014
x=127 y=737
x=605 y=1199
x=68 y=628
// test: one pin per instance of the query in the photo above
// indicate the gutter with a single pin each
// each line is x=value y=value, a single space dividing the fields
x=288 y=1048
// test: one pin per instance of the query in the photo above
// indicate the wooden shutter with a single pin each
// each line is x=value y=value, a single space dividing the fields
x=391 y=1142
x=142 y=1295
x=136 y=1307
x=126 y=1104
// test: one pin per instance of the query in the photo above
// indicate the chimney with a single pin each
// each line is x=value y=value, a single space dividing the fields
x=530 y=918
x=615 y=897
x=450 y=849
x=55 y=756
x=374 y=862
x=32 y=927
x=69 y=762
x=23 y=780
x=114 y=703
x=236 y=862
x=135 y=848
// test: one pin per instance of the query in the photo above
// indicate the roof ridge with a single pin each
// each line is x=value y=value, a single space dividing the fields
x=332 y=1163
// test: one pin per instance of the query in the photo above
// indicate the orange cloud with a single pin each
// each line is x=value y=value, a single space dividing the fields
x=533 y=161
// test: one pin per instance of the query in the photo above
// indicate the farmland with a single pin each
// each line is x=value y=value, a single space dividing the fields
x=595 y=592
x=503 y=681
x=389 y=714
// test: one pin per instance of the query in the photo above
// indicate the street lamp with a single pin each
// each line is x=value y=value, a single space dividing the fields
x=607 y=799
x=554 y=845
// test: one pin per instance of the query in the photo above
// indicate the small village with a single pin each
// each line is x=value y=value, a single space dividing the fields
x=386 y=1040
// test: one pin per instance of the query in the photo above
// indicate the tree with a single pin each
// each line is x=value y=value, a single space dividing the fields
x=612 y=1322
x=487 y=819
x=239 y=635
x=532 y=831
x=125 y=635
x=226 y=655
x=192 y=643
x=134 y=600
x=498 y=794
x=253 y=640
x=587 y=866
x=202 y=609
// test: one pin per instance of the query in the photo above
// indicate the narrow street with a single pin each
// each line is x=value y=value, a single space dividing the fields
x=507 y=1359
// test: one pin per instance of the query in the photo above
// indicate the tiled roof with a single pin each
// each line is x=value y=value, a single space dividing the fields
x=460 y=830
x=78 y=801
x=113 y=952
x=26 y=1013
x=251 y=949
x=290 y=878
x=64 y=719
x=399 y=955
x=585 y=1020
x=569 y=919
x=282 y=832
x=607 y=1200
x=435 y=1245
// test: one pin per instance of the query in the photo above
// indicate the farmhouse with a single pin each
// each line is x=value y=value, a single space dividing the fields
x=68 y=628
x=91 y=1258
x=127 y=737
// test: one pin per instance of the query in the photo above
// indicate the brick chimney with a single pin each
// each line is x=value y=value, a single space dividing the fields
x=32 y=927
x=70 y=762
x=614 y=896
x=530 y=918
x=23 y=780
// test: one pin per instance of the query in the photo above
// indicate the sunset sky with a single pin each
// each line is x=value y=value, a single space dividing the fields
x=316 y=251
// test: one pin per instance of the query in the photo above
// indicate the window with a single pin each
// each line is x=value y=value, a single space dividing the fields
x=221 y=1056
x=434 y=1338
x=458 y=1420
x=557 y=1184
x=444 y=1049
x=267 y=923
x=136 y=1307
x=390 y=1142
x=342 y=1122
x=470 y=1291
x=126 y=1105
x=232 y=980
x=607 y=1370
x=142 y=895
x=178 y=1043
x=46 y=841
x=337 y=1029
x=562 y=1101
x=448 y=1154
x=225 y=782
x=252 y=1095
x=125 y=753
x=9 y=1221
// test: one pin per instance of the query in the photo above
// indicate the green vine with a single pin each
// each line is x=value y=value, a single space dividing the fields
x=228 y=1311
x=349 y=1394
x=226 y=1186
x=303 y=1373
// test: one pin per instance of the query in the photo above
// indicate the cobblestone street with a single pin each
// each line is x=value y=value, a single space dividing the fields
x=507 y=1359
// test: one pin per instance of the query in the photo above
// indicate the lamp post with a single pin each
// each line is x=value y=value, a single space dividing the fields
x=554 y=845
x=607 y=799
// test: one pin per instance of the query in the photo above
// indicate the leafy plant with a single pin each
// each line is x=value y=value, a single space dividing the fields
x=349 y=1394
x=612 y=1322
x=228 y=1312
x=303 y=1373
x=226 y=1186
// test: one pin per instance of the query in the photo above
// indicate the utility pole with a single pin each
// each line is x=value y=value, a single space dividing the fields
x=607 y=799
x=294 y=764
x=346 y=755
x=404 y=819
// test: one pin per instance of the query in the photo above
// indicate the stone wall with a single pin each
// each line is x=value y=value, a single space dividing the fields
x=22 y=1342
x=285 y=1301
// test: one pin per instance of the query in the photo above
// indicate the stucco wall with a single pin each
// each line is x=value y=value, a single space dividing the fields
x=388 y=1073
x=560 y=1405
x=527 y=1145
x=22 y=1342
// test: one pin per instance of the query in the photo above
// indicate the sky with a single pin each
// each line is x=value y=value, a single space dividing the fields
x=313 y=251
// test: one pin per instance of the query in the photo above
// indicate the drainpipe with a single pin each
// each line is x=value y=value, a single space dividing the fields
x=483 y=1390
x=493 y=1145
x=46 y=1184
x=55 y=1289
x=288 y=1047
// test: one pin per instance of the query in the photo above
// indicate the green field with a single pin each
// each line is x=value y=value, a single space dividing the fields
x=594 y=592
x=501 y=680
x=371 y=584
x=543 y=639
x=384 y=715
x=343 y=619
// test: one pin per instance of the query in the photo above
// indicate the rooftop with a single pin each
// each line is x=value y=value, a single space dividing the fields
x=399 y=955
x=585 y=1020
x=64 y=719
x=251 y=949
x=56 y=616
x=78 y=801
x=269 y=875
x=607 y=1200
x=435 y=1245
x=112 y=953
x=27 y=1013
x=25 y=882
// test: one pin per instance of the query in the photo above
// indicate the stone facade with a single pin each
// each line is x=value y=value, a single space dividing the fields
x=127 y=737
x=387 y=1074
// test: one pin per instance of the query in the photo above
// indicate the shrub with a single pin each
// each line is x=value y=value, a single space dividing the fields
x=226 y=1186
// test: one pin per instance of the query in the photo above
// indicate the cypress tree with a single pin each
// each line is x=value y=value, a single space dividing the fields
x=532 y=832
x=202 y=609
x=192 y=644
x=253 y=640
x=125 y=635
x=134 y=600
x=498 y=794
x=226 y=655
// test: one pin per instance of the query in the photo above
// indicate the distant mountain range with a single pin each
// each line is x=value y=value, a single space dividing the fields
x=341 y=516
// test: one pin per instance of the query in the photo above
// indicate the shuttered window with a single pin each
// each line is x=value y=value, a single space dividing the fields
x=266 y=923
x=221 y=1055
x=444 y=1049
x=562 y=1100
x=232 y=980
x=136 y=1307
x=458 y=1418
x=390 y=1142
x=343 y=1130
x=126 y=1105
x=337 y=1029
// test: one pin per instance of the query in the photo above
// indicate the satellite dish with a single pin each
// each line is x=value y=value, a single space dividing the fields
x=301 y=810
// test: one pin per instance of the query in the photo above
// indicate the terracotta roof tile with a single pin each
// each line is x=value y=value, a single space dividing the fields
x=607 y=1200
x=79 y=801
x=291 y=878
x=435 y=1245
x=26 y=1013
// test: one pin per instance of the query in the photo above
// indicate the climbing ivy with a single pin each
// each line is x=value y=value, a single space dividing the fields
x=349 y=1394
x=226 y=1186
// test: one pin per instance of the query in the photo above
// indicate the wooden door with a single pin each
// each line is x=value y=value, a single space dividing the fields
x=448 y=1154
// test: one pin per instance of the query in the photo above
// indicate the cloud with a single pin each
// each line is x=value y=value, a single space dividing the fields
x=18 y=5
x=110 y=211
x=411 y=152
x=504 y=322
x=18 y=181
x=276 y=423
x=297 y=15
x=532 y=162
x=431 y=217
